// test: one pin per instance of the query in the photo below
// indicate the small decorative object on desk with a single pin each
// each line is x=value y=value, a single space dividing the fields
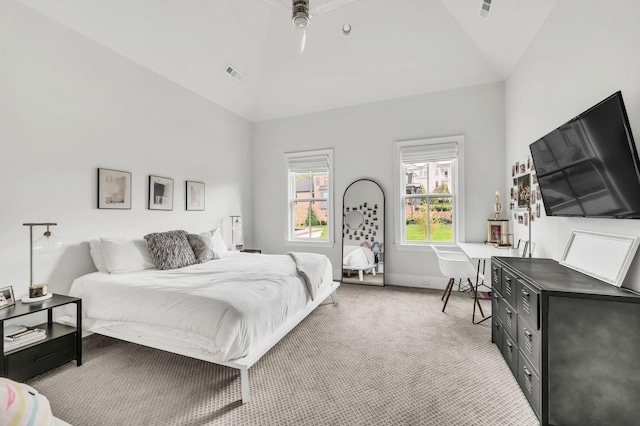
x=37 y=290
x=6 y=297
x=498 y=232
x=36 y=299
x=497 y=206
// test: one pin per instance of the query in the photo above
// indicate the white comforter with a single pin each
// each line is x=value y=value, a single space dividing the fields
x=359 y=258
x=226 y=306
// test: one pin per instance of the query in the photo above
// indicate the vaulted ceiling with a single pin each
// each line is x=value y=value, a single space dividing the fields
x=397 y=48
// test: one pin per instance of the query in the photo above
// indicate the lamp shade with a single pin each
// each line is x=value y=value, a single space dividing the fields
x=48 y=244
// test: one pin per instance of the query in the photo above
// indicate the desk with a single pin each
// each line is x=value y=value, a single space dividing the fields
x=483 y=252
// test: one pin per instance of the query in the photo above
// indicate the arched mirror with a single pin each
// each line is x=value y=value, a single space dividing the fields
x=363 y=233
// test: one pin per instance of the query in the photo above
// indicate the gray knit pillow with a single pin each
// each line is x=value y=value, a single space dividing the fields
x=170 y=250
x=202 y=247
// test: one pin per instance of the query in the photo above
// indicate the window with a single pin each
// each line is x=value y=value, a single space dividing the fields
x=309 y=177
x=429 y=181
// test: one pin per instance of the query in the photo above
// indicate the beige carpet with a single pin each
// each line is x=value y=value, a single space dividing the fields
x=383 y=356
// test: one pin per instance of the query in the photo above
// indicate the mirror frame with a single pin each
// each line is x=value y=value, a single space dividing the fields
x=345 y=213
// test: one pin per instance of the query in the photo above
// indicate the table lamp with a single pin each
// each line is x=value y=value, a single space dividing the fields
x=47 y=243
x=236 y=233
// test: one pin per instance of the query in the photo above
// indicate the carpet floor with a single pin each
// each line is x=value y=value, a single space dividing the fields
x=382 y=356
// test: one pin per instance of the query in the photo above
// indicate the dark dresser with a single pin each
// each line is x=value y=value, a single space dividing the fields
x=571 y=341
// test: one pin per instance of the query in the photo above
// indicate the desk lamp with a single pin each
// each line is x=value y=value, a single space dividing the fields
x=47 y=243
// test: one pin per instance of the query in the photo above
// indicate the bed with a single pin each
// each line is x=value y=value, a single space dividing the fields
x=229 y=310
x=360 y=259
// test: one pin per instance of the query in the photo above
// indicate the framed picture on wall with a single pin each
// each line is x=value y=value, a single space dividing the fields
x=160 y=193
x=114 y=189
x=524 y=190
x=195 y=195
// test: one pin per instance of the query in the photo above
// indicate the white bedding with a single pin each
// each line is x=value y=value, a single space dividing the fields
x=359 y=258
x=225 y=307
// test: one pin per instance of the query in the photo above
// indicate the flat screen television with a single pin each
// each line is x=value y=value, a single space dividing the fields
x=589 y=166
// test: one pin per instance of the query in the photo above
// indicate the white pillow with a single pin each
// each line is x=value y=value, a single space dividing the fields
x=219 y=247
x=95 y=250
x=121 y=255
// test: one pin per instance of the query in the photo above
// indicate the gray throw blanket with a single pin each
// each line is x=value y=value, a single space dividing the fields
x=311 y=267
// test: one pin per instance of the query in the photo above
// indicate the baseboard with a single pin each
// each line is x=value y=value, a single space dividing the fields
x=417 y=281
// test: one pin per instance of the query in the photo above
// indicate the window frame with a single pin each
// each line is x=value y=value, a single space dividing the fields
x=290 y=237
x=457 y=192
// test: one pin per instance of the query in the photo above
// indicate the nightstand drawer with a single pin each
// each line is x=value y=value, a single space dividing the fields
x=28 y=362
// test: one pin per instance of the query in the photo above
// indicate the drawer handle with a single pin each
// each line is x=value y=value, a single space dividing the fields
x=528 y=334
x=44 y=357
x=527 y=372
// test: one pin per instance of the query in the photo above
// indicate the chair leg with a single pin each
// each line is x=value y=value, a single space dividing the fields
x=449 y=284
x=450 y=288
x=475 y=297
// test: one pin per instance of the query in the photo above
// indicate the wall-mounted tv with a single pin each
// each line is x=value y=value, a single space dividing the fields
x=589 y=166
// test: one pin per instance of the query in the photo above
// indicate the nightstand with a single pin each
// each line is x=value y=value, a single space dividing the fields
x=62 y=343
x=251 y=251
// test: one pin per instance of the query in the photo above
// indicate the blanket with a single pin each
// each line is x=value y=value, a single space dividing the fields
x=359 y=258
x=311 y=268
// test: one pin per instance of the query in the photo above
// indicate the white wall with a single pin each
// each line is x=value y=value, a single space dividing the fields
x=69 y=106
x=363 y=140
x=585 y=51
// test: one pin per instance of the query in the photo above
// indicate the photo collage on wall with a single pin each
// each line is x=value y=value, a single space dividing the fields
x=524 y=192
x=364 y=229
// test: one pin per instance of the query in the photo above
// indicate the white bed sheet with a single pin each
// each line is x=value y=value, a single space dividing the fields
x=224 y=307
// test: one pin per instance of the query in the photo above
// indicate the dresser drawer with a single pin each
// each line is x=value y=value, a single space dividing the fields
x=25 y=363
x=496 y=302
x=529 y=382
x=529 y=343
x=528 y=304
x=509 y=287
x=496 y=332
x=509 y=318
x=496 y=278
x=510 y=352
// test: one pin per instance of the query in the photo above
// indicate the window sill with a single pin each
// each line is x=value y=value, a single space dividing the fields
x=422 y=247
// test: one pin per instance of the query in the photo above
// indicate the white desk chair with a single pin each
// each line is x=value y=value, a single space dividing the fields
x=456 y=266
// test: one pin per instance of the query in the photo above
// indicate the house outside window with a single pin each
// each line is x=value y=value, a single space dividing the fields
x=429 y=184
x=309 y=196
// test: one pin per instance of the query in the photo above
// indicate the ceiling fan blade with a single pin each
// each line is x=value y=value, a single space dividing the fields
x=286 y=6
x=327 y=6
x=299 y=40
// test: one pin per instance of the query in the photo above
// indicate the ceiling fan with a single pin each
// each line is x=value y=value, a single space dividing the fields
x=301 y=14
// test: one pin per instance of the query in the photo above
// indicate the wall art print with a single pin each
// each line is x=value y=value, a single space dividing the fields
x=114 y=189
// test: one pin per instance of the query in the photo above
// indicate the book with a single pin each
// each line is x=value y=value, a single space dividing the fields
x=21 y=334
x=26 y=340
x=12 y=329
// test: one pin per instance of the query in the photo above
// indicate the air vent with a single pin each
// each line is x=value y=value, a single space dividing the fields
x=233 y=73
x=485 y=8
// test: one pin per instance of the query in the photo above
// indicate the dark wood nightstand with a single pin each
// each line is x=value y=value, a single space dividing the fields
x=251 y=251
x=62 y=344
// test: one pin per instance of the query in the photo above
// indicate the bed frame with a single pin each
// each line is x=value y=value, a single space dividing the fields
x=243 y=364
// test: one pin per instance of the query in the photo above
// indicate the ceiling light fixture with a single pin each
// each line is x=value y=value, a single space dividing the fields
x=346 y=30
x=300 y=16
